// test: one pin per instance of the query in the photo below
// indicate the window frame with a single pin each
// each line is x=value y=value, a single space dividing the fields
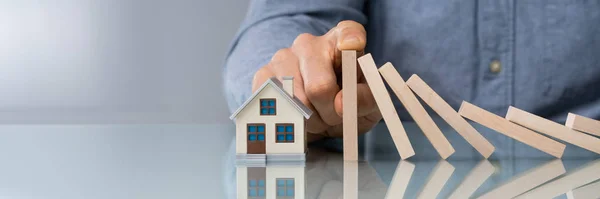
x=285 y=133
x=285 y=188
x=268 y=107
x=257 y=188
x=248 y=133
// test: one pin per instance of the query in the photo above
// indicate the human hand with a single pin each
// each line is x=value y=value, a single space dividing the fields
x=315 y=64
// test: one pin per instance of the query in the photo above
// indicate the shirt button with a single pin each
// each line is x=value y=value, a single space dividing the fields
x=495 y=66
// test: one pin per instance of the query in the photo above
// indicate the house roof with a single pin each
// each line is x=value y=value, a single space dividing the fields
x=273 y=81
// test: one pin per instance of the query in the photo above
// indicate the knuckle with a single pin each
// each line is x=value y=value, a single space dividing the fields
x=260 y=75
x=349 y=23
x=282 y=54
x=303 y=39
x=321 y=88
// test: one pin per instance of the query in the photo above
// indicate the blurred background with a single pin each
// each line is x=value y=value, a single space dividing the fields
x=115 y=61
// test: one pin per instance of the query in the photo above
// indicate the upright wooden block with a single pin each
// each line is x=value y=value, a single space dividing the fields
x=473 y=180
x=384 y=102
x=511 y=130
x=400 y=181
x=527 y=181
x=437 y=180
x=583 y=124
x=349 y=103
x=553 y=129
x=416 y=110
x=577 y=178
x=446 y=112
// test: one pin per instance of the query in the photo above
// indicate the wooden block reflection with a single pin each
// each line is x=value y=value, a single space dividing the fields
x=473 y=180
x=577 y=178
x=528 y=180
x=399 y=183
x=438 y=178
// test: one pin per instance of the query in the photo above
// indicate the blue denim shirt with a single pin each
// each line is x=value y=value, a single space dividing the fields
x=548 y=50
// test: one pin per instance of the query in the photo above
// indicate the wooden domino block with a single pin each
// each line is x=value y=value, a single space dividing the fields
x=527 y=181
x=349 y=103
x=437 y=180
x=511 y=130
x=553 y=129
x=446 y=112
x=583 y=124
x=473 y=180
x=400 y=181
x=416 y=110
x=386 y=107
x=577 y=178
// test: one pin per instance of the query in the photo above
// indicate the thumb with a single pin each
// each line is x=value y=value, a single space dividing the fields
x=347 y=35
x=350 y=35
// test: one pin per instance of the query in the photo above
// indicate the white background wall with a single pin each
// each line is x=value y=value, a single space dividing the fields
x=107 y=61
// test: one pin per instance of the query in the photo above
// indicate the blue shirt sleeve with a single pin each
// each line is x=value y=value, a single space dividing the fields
x=271 y=25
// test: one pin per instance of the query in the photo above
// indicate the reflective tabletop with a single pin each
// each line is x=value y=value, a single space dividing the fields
x=198 y=161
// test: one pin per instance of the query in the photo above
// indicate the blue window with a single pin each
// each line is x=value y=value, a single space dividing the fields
x=261 y=183
x=261 y=192
x=252 y=183
x=256 y=132
x=268 y=107
x=252 y=193
x=284 y=133
x=285 y=188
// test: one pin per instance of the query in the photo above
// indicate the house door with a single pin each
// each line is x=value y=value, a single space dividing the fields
x=256 y=183
x=256 y=138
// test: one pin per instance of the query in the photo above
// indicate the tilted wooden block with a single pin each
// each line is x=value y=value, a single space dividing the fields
x=437 y=180
x=446 y=112
x=511 y=130
x=386 y=107
x=553 y=129
x=583 y=124
x=349 y=105
x=527 y=181
x=416 y=110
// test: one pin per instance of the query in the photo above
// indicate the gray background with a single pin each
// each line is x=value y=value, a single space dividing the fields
x=114 y=61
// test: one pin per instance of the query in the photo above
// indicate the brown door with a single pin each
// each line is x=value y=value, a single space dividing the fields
x=256 y=138
x=256 y=183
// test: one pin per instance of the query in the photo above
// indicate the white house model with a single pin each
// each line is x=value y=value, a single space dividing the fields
x=270 y=125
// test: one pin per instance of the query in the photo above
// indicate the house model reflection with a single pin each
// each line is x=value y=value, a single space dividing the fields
x=271 y=182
